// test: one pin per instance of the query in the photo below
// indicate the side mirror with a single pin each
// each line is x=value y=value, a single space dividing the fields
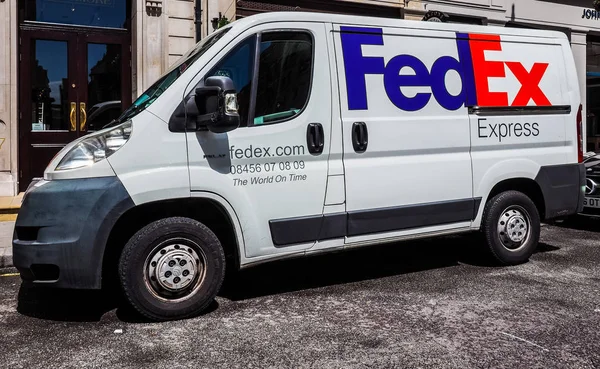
x=216 y=105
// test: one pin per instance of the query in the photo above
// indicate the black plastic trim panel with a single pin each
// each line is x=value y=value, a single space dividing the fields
x=561 y=187
x=519 y=110
x=334 y=226
x=292 y=231
x=411 y=216
x=64 y=225
x=296 y=230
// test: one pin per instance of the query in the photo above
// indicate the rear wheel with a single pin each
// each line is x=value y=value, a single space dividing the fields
x=511 y=224
x=172 y=269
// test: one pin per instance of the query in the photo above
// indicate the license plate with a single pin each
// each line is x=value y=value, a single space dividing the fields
x=591 y=202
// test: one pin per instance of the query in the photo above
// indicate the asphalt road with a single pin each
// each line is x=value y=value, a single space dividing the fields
x=433 y=303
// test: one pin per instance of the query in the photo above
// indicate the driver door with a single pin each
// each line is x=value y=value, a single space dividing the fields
x=273 y=168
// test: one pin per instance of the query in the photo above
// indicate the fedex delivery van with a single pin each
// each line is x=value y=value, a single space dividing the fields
x=290 y=134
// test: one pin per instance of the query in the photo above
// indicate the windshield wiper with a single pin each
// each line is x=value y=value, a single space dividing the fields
x=131 y=112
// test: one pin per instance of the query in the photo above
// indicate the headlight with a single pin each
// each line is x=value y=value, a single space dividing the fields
x=96 y=147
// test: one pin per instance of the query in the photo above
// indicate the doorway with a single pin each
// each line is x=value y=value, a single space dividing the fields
x=73 y=81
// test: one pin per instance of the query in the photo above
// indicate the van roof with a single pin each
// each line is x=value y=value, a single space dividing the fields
x=391 y=22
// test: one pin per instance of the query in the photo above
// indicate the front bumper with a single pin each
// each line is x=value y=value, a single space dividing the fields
x=62 y=229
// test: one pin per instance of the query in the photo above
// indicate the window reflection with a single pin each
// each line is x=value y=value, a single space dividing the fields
x=48 y=86
x=104 y=85
x=593 y=95
x=284 y=76
x=96 y=13
x=238 y=66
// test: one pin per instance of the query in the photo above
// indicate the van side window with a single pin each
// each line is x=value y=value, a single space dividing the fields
x=239 y=65
x=284 y=77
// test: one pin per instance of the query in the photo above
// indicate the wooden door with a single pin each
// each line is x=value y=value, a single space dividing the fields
x=49 y=98
x=105 y=78
x=73 y=81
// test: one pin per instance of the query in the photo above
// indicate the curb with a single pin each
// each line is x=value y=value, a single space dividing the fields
x=6 y=261
x=7 y=222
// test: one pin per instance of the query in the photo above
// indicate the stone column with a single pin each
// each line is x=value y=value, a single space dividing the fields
x=8 y=98
x=149 y=55
x=211 y=10
x=228 y=8
x=578 y=45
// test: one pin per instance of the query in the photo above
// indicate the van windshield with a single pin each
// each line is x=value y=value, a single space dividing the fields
x=154 y=91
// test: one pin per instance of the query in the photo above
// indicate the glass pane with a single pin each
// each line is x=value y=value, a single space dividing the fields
x=593 y=96
x=238 y=65
x=49 y=85
x=284 y=76
x=97 y=13
x=171 y=75
x=104 y=84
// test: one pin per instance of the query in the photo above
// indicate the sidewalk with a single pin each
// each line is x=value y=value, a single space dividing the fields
x=9 y=207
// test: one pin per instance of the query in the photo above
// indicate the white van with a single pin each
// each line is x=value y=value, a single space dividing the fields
x=289 y=134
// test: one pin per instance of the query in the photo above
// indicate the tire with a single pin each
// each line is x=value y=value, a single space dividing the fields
x=504 y=216
x=160 y=253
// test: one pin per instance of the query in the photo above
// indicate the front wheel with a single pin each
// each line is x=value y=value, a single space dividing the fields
x=511 y=224
x=172 y=269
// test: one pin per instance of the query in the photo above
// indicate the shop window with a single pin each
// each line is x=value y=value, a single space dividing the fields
x=455 y=18
x=94 y=13
x=513 y=24
x=245 y=8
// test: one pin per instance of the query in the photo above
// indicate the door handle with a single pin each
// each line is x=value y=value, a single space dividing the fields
x=360 y=137
x=315 y=138
x=73 y=117
x=82 y=117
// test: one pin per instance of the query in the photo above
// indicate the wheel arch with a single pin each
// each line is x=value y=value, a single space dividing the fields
x=517 y=174
x=207 y=208
x=527 y=186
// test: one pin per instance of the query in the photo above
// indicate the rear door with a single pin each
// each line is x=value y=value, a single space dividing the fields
x=406 y=132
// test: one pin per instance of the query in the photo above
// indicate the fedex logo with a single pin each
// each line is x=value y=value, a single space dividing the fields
x=471 y=65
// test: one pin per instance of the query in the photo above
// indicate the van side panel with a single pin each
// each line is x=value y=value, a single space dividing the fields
x=416 y=169
x=153 y=164
x=511 y=142
x=573 y=91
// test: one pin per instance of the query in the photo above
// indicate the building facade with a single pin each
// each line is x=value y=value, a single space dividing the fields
x=69 y=66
